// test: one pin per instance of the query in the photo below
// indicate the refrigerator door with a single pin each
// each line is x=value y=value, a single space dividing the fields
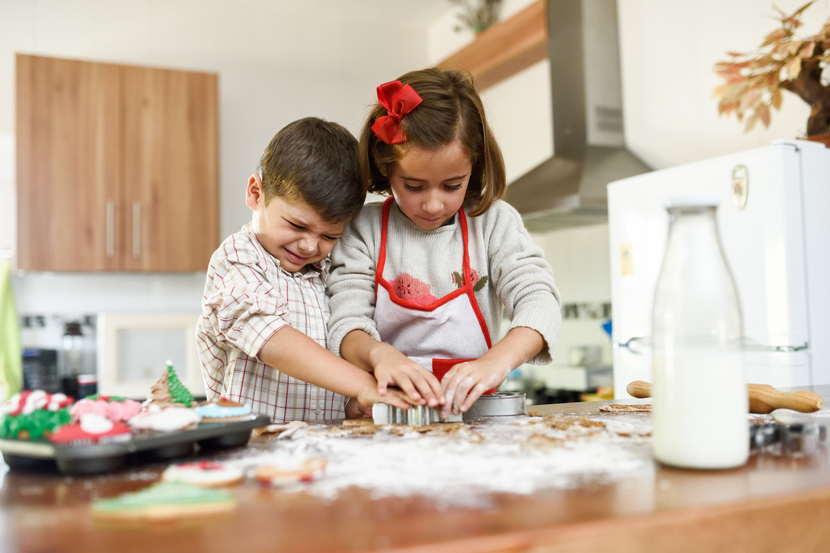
x=762 y=233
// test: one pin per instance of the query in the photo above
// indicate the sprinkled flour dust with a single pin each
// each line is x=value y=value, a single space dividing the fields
x=461 y=465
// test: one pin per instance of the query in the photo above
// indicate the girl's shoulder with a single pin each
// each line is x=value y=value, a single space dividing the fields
x=501 y=215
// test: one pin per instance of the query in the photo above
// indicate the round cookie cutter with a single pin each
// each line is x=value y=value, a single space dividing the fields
x=499 y=404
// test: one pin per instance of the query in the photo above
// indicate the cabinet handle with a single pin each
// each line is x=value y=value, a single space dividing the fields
x=136 y=229
x=110 y=216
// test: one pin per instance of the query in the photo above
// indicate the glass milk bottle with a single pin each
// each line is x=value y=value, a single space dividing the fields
x=699 y=391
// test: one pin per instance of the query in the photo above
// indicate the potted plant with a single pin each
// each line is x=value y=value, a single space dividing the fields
x=754 y=80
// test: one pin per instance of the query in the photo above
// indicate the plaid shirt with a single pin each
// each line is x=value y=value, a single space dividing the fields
x=248 y=297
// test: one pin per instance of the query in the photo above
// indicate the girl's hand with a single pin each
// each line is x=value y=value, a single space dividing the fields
x=465 y=383
x=369 y=395
x=355 y=410
x=391 y=367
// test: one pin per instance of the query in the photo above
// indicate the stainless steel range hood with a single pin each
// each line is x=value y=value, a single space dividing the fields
x=589 y=151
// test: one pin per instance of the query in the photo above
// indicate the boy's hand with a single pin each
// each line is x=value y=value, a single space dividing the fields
x=355 y=410
x=465 y=382
x=369 y=395
x=394 y=368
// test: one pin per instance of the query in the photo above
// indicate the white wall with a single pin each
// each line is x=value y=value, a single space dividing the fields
x=277 y=60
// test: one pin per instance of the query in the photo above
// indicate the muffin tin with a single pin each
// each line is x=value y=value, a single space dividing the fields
x=143 y=447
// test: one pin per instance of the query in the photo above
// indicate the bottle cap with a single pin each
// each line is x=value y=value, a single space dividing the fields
x=697 y=199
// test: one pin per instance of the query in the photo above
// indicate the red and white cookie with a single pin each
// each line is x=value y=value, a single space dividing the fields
x=203 y=473
x=307 y=471
x=91 y=429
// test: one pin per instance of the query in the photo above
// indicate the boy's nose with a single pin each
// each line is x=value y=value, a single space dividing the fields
x=308 y=244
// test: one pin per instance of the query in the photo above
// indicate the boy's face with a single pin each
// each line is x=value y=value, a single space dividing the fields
x=293 y=232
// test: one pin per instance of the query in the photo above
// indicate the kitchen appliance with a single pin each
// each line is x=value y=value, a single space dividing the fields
x=585 y=120
x=40 y=370
x=134 y=349
x=772 y=220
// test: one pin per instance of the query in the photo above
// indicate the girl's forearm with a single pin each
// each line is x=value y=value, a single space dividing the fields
x=519 y=345
x=360 y=349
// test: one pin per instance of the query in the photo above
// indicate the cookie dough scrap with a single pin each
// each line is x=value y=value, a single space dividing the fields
x=165 y=500
x=277 y=429
x=625 y=408
x=358 y=422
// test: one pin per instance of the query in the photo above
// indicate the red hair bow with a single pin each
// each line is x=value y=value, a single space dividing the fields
x=398 y=99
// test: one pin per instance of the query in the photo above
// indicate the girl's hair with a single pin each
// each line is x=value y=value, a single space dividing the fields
x=451 y=110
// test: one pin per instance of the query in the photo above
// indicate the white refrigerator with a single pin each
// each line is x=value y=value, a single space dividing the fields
x=774 y=225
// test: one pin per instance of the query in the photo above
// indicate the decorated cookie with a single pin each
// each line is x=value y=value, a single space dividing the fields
x=91 y=429
x=168 y=391
x=116 y=409
x=164 y=420
x=307 y=471
x=223 y=410
x=165 y=500
x=203 y=473
x=34 y=414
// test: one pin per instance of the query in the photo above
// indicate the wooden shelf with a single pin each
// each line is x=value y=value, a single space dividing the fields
x=505 y=48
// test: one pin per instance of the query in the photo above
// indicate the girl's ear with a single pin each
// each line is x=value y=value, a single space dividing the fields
x=254 y=193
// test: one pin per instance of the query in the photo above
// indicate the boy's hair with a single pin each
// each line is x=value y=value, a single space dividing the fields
x=451 y=109
x=315 y=161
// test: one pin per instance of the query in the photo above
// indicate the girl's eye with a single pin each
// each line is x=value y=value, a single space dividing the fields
x=453 y=186
x=411 y=188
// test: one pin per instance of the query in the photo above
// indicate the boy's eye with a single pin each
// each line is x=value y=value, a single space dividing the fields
x=296 y=226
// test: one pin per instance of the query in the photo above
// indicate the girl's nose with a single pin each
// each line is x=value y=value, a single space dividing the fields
x=433 y=204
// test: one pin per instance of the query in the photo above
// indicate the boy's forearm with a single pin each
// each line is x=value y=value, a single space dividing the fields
x=295 y=354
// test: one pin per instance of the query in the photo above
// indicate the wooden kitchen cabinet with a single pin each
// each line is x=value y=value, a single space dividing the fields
x=117 y=167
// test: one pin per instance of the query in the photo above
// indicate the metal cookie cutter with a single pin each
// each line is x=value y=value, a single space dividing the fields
x=796 y=440
x=499 y=404
x=416 y=415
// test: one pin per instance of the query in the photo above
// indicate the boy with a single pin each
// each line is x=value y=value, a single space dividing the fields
x=262 y=334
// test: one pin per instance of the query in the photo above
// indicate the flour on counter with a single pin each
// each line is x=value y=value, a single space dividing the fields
x=461 y=466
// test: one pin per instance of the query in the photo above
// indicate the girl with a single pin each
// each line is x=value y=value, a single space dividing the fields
x=418 y=282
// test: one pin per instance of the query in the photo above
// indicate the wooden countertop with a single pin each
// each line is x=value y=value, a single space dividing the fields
x=773 y=503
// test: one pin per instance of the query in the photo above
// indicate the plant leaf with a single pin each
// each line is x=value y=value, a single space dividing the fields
x=777 y=97
x=793 y=68
x=750 y=123
x=775 y=36
x=808 y=50
x=763 y=113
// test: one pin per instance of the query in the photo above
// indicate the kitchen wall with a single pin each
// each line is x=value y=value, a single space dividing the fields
x=277 y=60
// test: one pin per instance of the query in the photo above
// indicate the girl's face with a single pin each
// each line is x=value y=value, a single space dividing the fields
x=430 y=185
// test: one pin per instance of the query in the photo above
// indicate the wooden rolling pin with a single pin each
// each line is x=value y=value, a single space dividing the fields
x=763 y=398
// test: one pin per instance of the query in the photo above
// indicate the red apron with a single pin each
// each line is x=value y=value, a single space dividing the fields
x=436 y=335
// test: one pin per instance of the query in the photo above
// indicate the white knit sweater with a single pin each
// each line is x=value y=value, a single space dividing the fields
x=501 y=251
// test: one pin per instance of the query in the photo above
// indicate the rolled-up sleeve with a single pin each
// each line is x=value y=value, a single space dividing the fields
x=240 y=306
x=523 y=279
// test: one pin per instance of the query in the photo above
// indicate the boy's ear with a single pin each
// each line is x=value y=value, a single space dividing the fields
x=254 y=193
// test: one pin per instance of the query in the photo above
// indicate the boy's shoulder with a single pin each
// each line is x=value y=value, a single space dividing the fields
x=241 y=247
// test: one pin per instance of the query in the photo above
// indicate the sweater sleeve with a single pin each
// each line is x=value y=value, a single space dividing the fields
x=351 y=281
x=241 y=307
x=522 y=279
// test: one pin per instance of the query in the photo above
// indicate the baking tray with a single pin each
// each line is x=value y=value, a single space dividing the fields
x=143 y=447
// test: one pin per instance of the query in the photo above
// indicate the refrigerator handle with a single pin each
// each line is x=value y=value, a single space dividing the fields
x=637 y=345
